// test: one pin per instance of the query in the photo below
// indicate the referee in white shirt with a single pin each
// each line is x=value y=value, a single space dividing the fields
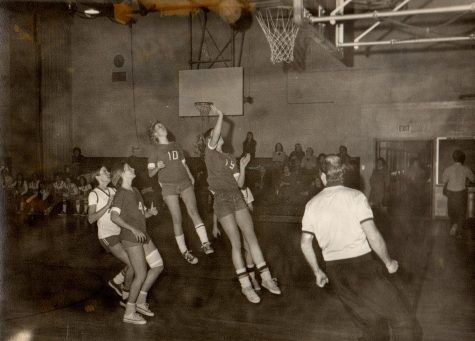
x=342 y=221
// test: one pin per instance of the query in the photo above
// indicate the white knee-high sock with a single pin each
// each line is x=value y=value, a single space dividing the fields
x=180 y=240
x=202 y=234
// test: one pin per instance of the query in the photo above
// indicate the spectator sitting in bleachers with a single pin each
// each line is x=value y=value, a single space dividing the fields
x=58 y=188
x=39 y=202
x=297 y=153
x=20 y=192
x=70 y=195
x=33 y=184
x=84 y=188
x=287 y=186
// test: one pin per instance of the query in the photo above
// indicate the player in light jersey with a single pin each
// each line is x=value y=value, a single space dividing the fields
x=176 y=180
x=225 y=177
x=99 y=203
x=129 y=212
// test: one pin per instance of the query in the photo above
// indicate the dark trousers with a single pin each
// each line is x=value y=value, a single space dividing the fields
x=457 y=207
x=371 y=299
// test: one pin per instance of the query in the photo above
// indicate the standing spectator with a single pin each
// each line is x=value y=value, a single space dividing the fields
x=308 y=167
x=342 y=221
x=415 y=185
x=279 y=158
x=343 y=155
x=379 y=182
x=77 y=162
x=249 y=145
x=454 y=179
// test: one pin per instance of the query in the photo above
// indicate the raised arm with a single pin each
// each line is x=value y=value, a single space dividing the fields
x=377 y=243
x=217 y=128
x=242 y=172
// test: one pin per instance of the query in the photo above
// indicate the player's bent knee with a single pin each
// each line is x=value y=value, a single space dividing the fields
x=154 y=259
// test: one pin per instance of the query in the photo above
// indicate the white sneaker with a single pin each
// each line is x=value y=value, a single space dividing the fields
x=271 y=286
x=251 y=295
x=189 y=257
x=144 y=309
x=134 y=318
x=207 y=249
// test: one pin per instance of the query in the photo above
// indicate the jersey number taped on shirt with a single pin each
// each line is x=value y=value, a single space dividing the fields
x=230 y=164
x=173 y=155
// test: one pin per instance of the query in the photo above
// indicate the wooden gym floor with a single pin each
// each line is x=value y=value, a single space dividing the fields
x=54 y=285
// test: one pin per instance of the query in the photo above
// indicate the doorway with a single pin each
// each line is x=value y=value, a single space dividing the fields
x=409 y=166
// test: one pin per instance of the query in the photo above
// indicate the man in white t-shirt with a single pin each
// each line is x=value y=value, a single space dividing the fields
x=341 y=220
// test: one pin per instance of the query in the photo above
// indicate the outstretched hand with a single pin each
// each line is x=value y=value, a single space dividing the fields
x=215 y=111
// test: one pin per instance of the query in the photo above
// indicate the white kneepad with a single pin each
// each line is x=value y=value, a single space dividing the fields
x=154 y=259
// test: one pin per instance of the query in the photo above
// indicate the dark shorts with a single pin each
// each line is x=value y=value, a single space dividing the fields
x=128 y=239
x=227 y=203
x=109 y=242
x=175 y=189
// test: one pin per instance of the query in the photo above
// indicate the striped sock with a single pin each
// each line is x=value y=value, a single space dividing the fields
x=201 y=231
x=243 y=278
x=264 y=271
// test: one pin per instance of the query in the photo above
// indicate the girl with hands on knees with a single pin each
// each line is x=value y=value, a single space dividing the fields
x=225 y=179
x=129 y=213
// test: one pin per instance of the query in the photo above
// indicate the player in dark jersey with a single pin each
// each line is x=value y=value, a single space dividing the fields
x=168 y=160
x=225 y=177
x=129 y=213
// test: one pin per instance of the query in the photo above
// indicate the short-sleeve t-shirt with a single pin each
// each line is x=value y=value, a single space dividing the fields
x=105 y=226
x=334 y=216
x=130 y=206
x=172 y=156
x=221 y=170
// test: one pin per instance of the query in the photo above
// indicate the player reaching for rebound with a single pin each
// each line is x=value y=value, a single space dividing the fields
x=99 y=202
x=129 y=212
x=249 y=199
x=225 y=177
x=175 y=178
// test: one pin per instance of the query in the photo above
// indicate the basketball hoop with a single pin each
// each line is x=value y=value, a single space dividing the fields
x=280 y=30
x=204 y=108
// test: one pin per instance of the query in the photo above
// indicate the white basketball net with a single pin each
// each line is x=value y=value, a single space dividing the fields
x=280 y=31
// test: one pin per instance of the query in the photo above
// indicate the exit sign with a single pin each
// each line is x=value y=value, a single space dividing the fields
x=405 y=128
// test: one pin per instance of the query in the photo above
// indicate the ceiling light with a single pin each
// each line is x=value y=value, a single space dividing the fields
x=91 y=11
